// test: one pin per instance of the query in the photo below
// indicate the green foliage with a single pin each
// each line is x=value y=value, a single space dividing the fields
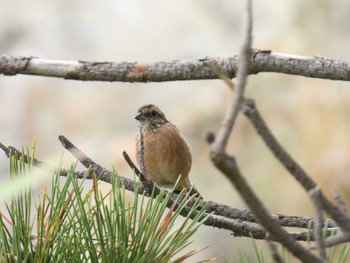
x=68 y=224
x=338 y=254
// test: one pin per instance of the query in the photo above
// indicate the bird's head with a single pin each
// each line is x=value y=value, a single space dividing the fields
x=150 y=117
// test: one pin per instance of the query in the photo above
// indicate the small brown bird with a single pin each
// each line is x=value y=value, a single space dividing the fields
x=166 y=155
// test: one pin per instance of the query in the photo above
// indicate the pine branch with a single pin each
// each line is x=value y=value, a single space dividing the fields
x=240 y=222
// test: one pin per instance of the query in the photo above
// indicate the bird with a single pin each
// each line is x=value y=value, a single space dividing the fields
x=166 y=154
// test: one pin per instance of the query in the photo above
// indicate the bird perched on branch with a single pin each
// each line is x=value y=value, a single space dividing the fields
x=162 y=150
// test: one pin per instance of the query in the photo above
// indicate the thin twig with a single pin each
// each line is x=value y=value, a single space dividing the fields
x=318 y=224
x=249 y=109
x=132 y=165
x=341 y=218
x=146 y=183
x=273 y=251
x=333 y=240
x=219 y=145
x=246 y=215
x=340 y=203
x=26 y=159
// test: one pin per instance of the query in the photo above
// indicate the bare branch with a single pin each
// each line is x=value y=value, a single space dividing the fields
x=132 y=165
x=147 y=183
x=235 y=220
x=333 y=240
x=274 y=252
x=246 y=215
x=99 y=170
x=340 y=203
x=249 y=109
x=220 y=143
x=190 y=69
x=228 y=166
x=341 y=218
x=318 y=224
x=84 y=159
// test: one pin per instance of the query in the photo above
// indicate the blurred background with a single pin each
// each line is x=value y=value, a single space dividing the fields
x=310 y=117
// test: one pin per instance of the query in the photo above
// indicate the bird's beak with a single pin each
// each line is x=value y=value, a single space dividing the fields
x=138 y=116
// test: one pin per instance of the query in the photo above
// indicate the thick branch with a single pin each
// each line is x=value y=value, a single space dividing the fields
x=189 y=69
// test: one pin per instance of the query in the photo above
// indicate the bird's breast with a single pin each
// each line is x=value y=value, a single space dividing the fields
x=166 y=154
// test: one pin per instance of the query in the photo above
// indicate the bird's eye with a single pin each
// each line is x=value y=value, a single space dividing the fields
x=154 y=114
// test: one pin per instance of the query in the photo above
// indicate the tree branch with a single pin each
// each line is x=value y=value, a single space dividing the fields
x=333 y=240
x=273 y=251
x=99 y=170
x=189 y=69
x=228 y=166
x=241 y=222
x=249 y=109
x=318 y=224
